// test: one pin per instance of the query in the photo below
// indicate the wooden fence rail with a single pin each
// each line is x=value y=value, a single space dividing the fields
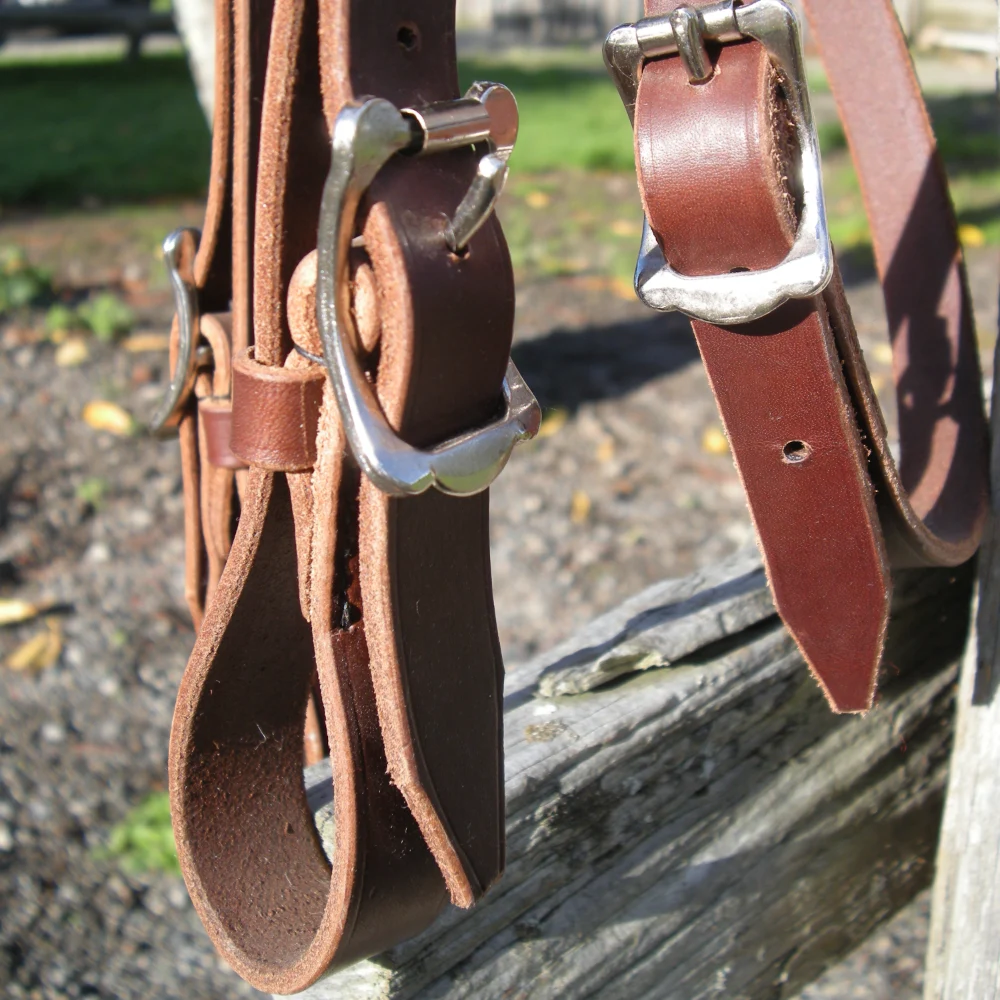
x=695 y=822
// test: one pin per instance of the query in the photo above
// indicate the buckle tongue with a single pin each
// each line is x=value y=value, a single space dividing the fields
x=725 y=299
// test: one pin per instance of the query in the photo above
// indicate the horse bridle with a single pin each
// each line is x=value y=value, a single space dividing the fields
x=342 y=379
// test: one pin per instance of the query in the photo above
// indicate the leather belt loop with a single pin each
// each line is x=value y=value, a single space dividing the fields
x=831 y=509
x=275 y=414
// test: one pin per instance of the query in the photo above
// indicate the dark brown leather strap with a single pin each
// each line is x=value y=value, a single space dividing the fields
x=832 y=510
x=389 y=600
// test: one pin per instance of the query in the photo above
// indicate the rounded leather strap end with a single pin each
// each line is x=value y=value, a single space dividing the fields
x=275 y=414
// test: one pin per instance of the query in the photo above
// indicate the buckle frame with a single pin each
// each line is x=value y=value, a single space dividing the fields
x=366 y=135
x=742 y=297
x=179 y=249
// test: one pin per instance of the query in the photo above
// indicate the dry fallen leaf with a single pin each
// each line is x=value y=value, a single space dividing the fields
x=623 y=289
x=72 y=352
x=714 y=441
x=579 y=507
x=882 y=353
x=606 y=450
x=622 y=227
x=552 y=422
x=537 y=199
x=40 y=651
x=147 y=341
x=971 y=236
x=14 y=611
x=110 y=417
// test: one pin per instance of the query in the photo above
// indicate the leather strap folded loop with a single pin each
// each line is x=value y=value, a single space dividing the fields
x=832 y=510
x=275 y=414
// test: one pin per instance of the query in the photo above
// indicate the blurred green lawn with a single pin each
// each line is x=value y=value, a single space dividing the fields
x=119 y=132
x=110 y=129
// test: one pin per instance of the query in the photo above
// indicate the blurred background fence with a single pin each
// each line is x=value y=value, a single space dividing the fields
x=950 y=23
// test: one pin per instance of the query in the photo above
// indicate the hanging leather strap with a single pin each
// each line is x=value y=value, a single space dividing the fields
x=834 y=512
x=389 y=600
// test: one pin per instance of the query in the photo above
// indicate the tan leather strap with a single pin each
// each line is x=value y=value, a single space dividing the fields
x=208 y=504
x=389 y=600
x=832 y=510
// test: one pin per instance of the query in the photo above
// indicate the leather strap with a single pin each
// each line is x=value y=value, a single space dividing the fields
x=832 y=509
x=388 y=600
x=208 y=501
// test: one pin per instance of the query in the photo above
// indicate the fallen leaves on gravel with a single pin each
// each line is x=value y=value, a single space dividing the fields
x=71 y=353
x=40 y=651
x=971 y=236
x=714 y=441
x=553 y=421
x=537 y=199
x=579 y=507
x=110 y=417
x=13 y=611
x=139 y=343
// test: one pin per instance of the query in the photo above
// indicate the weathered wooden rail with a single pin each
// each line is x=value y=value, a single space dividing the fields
x=695 y=822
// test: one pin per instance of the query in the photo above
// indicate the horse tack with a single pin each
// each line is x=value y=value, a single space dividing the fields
x=385 y=598
x=728 y=171
x=366 y=300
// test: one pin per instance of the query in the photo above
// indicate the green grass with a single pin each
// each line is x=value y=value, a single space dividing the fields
x=570 y=115
x=120 y=132
x=124 y=133
x=144 y=840
x=111 y=130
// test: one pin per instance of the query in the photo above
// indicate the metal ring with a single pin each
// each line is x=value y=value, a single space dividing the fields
x=179 y=250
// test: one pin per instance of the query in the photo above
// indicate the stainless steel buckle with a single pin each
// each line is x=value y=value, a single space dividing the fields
x=179 y=250
x=366 y=135
x=747 y=295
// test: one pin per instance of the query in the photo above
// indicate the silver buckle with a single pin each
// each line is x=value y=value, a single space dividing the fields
x=365 y=136
x=179 y=250
x=747 y=295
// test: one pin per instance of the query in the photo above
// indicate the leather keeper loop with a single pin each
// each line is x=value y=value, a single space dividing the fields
x=216 y=416
x=275 y=414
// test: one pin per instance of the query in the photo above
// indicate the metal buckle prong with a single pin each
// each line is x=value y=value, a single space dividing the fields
x=179 y=250
x=365 y=136
x=745 y=296
x=487 y=113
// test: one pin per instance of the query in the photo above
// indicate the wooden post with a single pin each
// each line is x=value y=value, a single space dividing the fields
x=963 y=953
x=695 y=822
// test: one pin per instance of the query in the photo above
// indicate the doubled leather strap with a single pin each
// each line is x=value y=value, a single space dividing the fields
x=833 y=510
x=388 y=601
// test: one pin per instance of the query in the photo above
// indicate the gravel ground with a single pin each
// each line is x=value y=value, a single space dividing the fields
x=626 y=485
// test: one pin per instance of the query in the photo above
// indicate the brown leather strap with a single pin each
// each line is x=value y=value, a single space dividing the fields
x=389 y=600
x=207 y=517
x=831 y=508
